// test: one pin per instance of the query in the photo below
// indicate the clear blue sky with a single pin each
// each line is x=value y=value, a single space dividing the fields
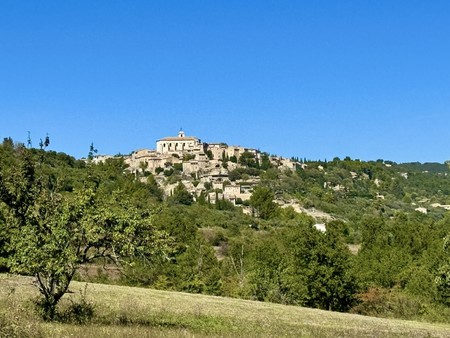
x=314 y=79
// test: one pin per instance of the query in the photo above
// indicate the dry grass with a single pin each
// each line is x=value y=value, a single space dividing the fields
x=136 y=312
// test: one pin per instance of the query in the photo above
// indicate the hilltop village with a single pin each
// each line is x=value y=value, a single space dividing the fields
x=202 y=167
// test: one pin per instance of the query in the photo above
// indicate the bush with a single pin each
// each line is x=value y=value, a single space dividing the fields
x=168 y=172
x=178 y=166
x=79 y=312
x=389 y=303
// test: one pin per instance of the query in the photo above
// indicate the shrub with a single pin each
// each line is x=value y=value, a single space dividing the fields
x=79 y=312
x=389 y=303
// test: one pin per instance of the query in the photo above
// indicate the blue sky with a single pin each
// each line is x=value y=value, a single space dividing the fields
x=314 y=79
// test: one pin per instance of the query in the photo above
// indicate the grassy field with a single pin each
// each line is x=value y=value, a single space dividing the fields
x=135 y=312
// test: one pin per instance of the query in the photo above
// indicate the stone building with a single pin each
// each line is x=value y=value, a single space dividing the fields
x=194 y=164
x=149 y=160
x=218 y=150
x=179 y=144
x=100 y=158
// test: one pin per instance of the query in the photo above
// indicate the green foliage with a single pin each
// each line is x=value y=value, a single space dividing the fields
x=54 y=207
x=239 y=173
x=53 y=233
x=295 y=264
x=442 y=279
x=248 y=159
x=393 y=303
x=435 y=168
x=266 y=273
x=80 y=311
x=191 y=265
x=168 y=172
x=198 y=270
x=209 y=154
x=188 y=157
x=180 y=195
x=443 y=283
x=223 y=204
x=178 y=166
x=17 y=321
x=262 y=201
x=265 y=161
x=319 y=268
x=92 y=151
x=385 y=302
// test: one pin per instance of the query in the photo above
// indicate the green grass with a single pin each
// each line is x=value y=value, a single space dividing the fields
x=136 y=312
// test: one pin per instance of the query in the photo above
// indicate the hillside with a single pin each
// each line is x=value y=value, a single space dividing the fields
x=287 y=243
x=135 y=312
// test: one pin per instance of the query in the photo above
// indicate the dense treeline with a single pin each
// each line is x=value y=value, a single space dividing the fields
x=400 y=264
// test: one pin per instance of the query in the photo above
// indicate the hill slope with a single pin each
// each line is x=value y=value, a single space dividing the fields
x=127 y=312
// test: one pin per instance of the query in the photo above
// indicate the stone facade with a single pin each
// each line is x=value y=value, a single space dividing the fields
x=180 y=144
x=208 y=164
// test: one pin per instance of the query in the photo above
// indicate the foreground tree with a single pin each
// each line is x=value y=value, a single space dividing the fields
x=52 y=233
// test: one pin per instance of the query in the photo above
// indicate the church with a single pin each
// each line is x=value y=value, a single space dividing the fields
x=179 y=144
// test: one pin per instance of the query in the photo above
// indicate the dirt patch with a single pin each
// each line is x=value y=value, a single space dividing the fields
x=96 y=271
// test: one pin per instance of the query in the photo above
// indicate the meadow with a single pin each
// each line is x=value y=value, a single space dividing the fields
x=121 y=311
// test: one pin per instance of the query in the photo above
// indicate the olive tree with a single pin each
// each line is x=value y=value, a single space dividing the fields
x=54 y=233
